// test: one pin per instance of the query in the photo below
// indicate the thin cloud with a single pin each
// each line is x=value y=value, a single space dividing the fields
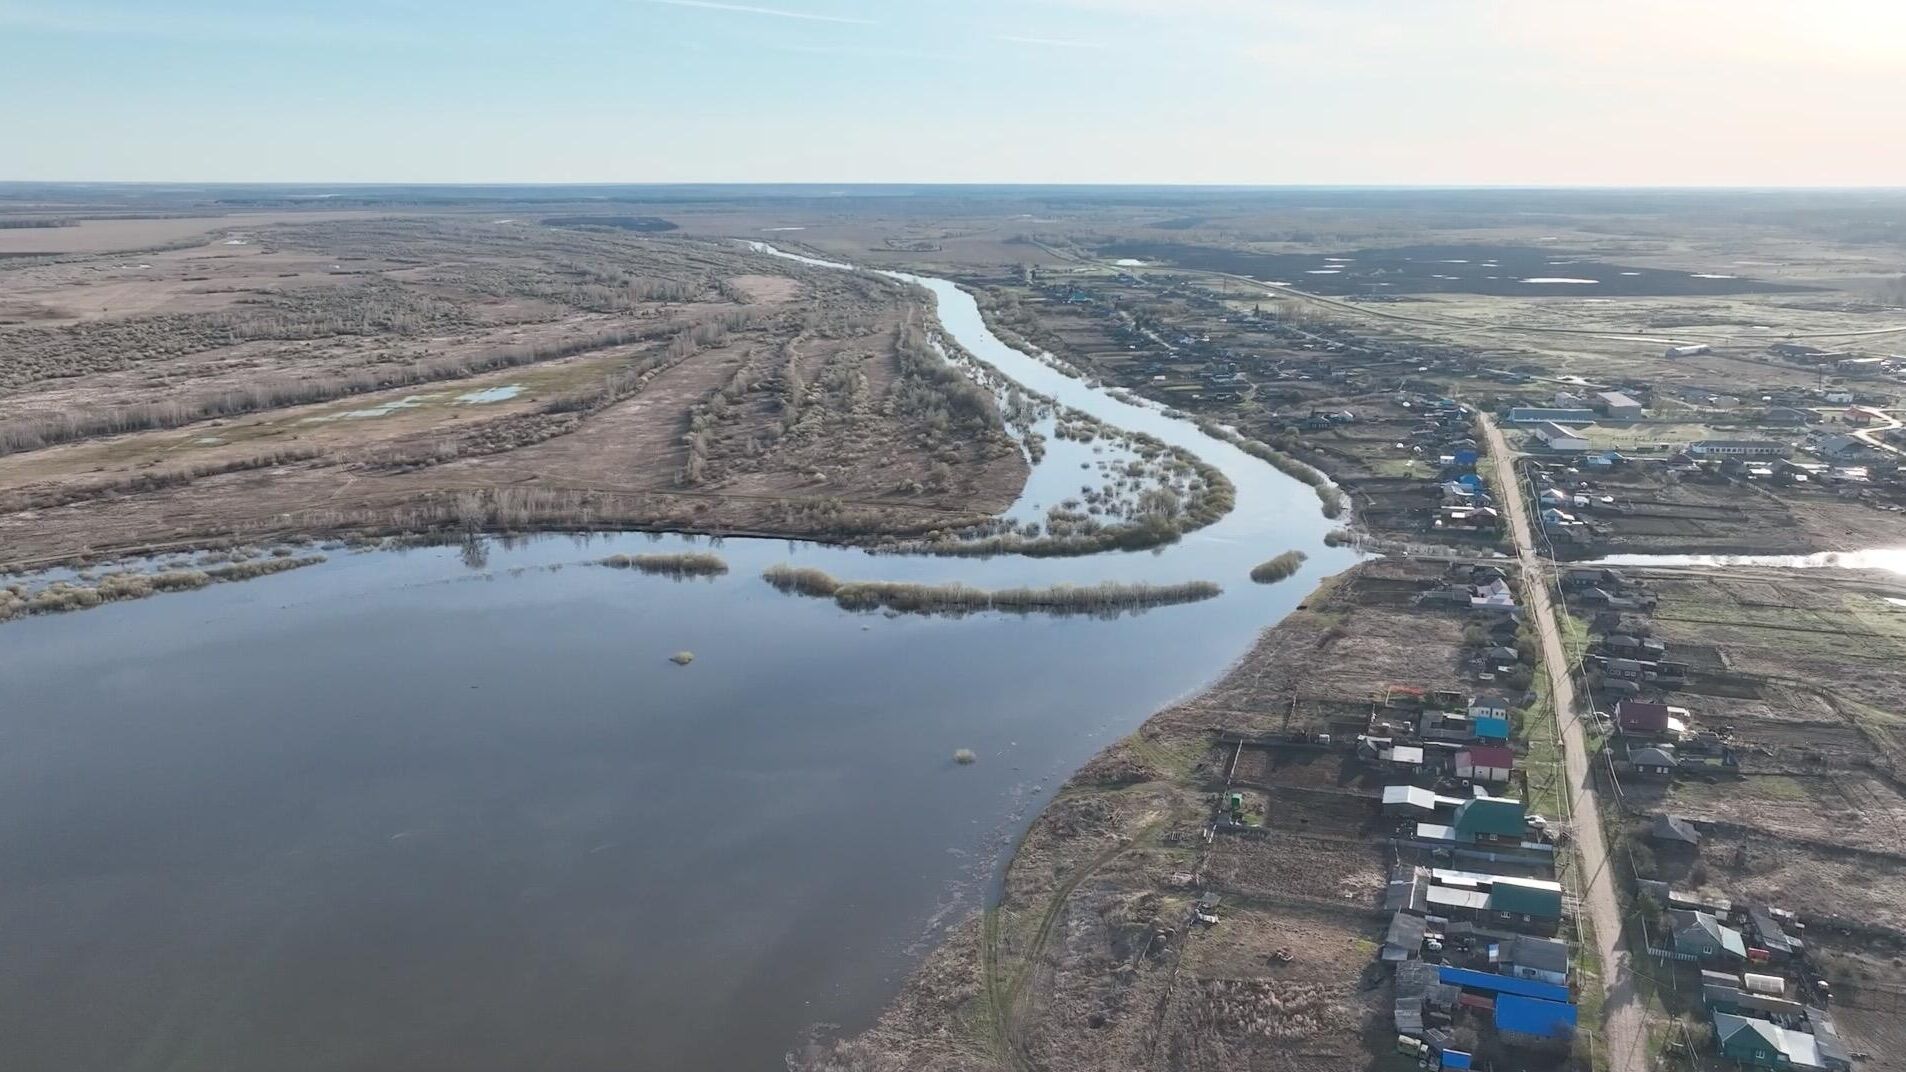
x=1051 y=42
x=773 y=12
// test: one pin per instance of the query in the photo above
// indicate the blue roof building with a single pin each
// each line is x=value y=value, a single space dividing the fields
x=1534 y=1017
x=1471 y=979
x=1491 y=728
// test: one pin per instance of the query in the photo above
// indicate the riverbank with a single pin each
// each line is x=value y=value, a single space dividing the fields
x=1092 y=957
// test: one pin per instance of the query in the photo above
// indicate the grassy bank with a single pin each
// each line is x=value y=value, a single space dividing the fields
x=1108 y=598
x=1276 y=569
x=1330 y=495
x=681 y=564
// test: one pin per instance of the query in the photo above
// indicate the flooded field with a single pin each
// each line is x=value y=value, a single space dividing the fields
x=1507 y=271
x=458 y=808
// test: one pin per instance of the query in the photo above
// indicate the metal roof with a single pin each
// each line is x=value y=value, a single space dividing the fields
x=1471 y=979
x=1534 y=1016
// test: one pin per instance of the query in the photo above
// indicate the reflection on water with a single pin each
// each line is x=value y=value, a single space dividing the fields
x=454 y=807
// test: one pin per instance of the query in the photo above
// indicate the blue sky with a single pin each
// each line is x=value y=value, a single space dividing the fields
x=1694 y=92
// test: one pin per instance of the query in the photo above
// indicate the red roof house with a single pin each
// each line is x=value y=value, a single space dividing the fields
x=1641 y=716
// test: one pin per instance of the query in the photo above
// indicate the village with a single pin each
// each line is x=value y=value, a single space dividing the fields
x=1478 y=939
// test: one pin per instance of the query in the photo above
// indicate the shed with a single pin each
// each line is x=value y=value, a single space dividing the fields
x=1457 y=1059
x=1534 y=1017
x=1532 y=901
x=1404 y=939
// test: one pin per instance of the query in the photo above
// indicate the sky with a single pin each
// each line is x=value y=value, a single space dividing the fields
x=1245 y=92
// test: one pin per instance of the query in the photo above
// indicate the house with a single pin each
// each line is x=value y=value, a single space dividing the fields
x=1769 y=935
x=1530 y=957
x=1764 y=1044
x=1656 y=760
x=1593 y=578
x=1699 y=934
x=1485 y=763
x=1839 y=447
x=1492 y=598
x=1445 y=726
x=1489 y=818
x=1641 y=717
x=1738 y=448
x=1558 y=438
x=1673 y=830
x=1618 y=406
x=1791 y=415
x=1489 y=705
x=1502 y=655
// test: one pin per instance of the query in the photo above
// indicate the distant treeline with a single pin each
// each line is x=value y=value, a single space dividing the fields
x=643 y=224
x=15 y=224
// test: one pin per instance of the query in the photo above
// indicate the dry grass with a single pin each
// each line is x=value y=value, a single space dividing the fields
x=62 y=596
x=1108 y=598
x=683 y=564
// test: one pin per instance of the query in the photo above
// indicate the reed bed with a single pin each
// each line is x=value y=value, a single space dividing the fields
x=682 y=564
x=1109 y=598
x=1276 y=569
x=61 y=596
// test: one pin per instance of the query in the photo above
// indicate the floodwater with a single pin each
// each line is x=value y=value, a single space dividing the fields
x=455 y=809
x=1887 y=559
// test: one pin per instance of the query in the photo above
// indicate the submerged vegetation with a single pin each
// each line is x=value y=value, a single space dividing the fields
x=681 y=564
x=18 y=600
x=1108 y=598
x=1276 y=569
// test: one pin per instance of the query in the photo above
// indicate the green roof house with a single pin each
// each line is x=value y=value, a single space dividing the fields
x=1765 y=1045
x=1489 y=817
x=1700 y=934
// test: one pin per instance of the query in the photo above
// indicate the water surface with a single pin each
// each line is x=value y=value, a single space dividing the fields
x=397 y=812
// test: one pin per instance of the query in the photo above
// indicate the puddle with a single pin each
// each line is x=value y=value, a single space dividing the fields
x=488 y=395
x=381 y=410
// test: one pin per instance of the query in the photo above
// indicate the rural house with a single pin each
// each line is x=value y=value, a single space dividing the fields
x=1763 y=1044
x=1699 y=934
x=1530 y=957
x=1485 y=763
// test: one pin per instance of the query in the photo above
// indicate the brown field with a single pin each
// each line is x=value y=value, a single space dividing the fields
x=347 y=374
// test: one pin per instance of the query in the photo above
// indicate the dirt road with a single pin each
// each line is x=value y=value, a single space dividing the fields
x=1623 y=1034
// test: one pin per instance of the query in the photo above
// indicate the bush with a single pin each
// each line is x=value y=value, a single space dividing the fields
x=1276 y=569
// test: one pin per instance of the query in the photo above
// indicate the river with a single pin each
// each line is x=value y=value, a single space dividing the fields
x=402 y=810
